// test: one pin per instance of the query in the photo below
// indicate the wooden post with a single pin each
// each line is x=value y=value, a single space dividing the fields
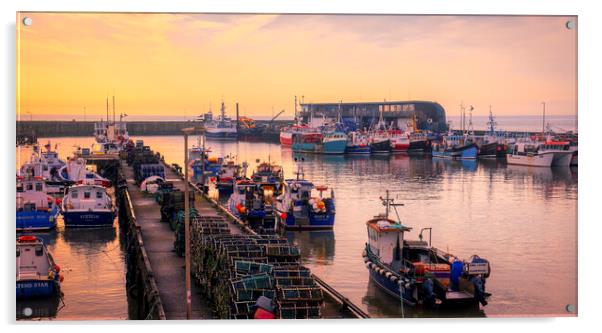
x=187 y=229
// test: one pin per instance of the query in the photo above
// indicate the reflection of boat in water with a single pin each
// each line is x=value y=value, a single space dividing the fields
x=89 y=236
x=541 y=175
x=316 y=245
x=38 y=308
x=379 y=304
x=452 y=165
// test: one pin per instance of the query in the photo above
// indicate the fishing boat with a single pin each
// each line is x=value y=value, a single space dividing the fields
x=36 y=209
x=88 y=206
x=75 y=172
x=380 y=141
x=287 y=133
x=297 y=209
x=416 y=273
x=37 y=275
x=333 y=142
x=227 y=175
x=308 y=141
x=49 y=171
x=357 y=144
x=563 y=153
x=249 y=203
x=269 y=178
x=528 y=153
x=455 y=147
x=491 y=144
x=222 y=127
x=419 y=140
x=400 y=142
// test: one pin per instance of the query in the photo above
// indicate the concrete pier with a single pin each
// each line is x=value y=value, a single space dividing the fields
x=166 y=270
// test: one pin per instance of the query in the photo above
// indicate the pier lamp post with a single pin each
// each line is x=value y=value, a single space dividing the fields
x=187 y=131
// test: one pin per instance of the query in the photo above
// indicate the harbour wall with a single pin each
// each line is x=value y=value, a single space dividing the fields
x=50 y=129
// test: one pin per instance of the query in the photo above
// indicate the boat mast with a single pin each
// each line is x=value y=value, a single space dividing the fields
x=107 y=110
x=470 y=128
x=543 y=123
x=113 y=109
x=491 y=123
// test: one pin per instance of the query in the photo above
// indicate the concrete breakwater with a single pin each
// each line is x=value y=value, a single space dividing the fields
x=49 y=129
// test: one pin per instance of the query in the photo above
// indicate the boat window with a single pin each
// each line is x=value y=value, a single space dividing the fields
x=29 y=186
x=98 y=195
x=39 y=187
x=86 y=195
x=45 y=167
x=39 y=251
x=18 y=252
x=74 y=194
x=29 y=207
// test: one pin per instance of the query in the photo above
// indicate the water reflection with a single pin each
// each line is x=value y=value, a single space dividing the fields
x=89 y=238
x=381 y=304
x=39 y=308
x=318 y=247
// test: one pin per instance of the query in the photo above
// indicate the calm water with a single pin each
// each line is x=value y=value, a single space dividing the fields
x=523 y=220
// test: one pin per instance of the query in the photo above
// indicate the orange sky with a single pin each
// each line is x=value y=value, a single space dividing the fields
x=180 y=63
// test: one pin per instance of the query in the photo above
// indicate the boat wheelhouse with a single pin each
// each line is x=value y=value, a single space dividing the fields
x=36 y=273
x=417 y=273
x=36 y=209
x=563 y=153
x=298 y=209
x=88 y=206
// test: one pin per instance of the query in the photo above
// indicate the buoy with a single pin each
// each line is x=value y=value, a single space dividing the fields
x=283 y=215
x=57 y=268
x=61 y=278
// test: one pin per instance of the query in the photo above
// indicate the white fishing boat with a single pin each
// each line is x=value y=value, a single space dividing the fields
x=529 y=154
x=36 y=273
x=222 y=127
x=88 y=206
x=562 y=151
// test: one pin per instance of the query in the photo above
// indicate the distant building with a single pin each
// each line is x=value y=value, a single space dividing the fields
x=429 y=115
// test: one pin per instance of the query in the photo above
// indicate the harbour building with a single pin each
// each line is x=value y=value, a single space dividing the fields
x=429 y=115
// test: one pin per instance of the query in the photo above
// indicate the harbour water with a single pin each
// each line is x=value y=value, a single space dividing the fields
x=523 y=220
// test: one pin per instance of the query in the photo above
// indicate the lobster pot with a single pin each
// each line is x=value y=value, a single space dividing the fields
x=233 y=271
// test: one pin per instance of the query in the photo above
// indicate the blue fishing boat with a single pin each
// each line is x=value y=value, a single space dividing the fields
x=88 y=206
x=297 y=209
x=455 y=147
x=333 y=142
x=36 y=209
x=37 y=275
x=416 y=273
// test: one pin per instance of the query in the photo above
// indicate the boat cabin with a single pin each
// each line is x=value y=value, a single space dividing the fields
x=386 y=239
x=32 y=195
x=87 y=197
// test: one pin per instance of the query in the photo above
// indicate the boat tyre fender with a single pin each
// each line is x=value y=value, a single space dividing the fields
x=479 y=289
x=429 y=294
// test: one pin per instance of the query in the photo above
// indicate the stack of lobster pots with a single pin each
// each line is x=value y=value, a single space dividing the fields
x=233 y=271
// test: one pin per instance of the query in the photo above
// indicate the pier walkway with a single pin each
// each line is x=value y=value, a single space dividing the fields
x=168 y=268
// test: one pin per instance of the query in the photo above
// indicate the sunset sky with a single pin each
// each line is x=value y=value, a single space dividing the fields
x=179 y=64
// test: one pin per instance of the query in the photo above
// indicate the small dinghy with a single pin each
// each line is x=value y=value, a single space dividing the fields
x=37 y=275
x=151 y=184
x=88 y=206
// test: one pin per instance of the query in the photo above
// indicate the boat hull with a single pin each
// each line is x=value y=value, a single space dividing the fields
x=86 y=219
x=37 y=220
x=541 y=160
x=491 y=150
x=221 y=135
x=381 y=148
x=312 y=222
x=334 y=147
x=358 y=150
x=418 y=146
x=562 y=159
x=286 y=139
x=464 y=153
x=36 y=288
